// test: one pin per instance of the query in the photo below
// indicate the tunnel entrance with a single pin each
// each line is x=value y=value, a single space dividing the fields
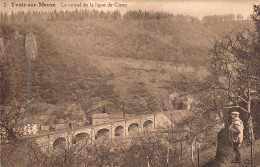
x=181 y=106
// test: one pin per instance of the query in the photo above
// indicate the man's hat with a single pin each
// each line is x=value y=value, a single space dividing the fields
x=235 y=113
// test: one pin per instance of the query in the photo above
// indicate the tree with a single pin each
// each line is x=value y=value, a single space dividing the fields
x=10 y=110
x=234 y=72
x=256 y=19
x=233 y=82
x=146 y=149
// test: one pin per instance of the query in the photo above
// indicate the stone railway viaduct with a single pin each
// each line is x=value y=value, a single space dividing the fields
x=110 y=130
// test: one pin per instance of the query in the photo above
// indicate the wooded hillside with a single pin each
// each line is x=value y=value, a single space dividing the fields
x=139 y=58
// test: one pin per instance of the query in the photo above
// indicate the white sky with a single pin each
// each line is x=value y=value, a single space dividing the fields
x=198 y=8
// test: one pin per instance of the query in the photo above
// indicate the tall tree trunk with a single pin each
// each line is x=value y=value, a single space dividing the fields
x=250 y=128
x=250 y=122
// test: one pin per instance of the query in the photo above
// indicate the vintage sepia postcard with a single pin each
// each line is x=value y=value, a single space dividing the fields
x=129 y=83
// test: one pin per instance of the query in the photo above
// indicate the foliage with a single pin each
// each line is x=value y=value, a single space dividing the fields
x=220 y=18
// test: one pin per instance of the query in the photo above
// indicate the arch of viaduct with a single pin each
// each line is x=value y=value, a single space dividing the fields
x=110 y=130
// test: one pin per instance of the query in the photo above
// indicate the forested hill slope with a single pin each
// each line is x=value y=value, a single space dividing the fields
x=138 y=60
x=142 y=35
x=164 y=40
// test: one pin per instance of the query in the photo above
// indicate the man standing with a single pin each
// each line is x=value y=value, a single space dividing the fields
x=236 y=129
